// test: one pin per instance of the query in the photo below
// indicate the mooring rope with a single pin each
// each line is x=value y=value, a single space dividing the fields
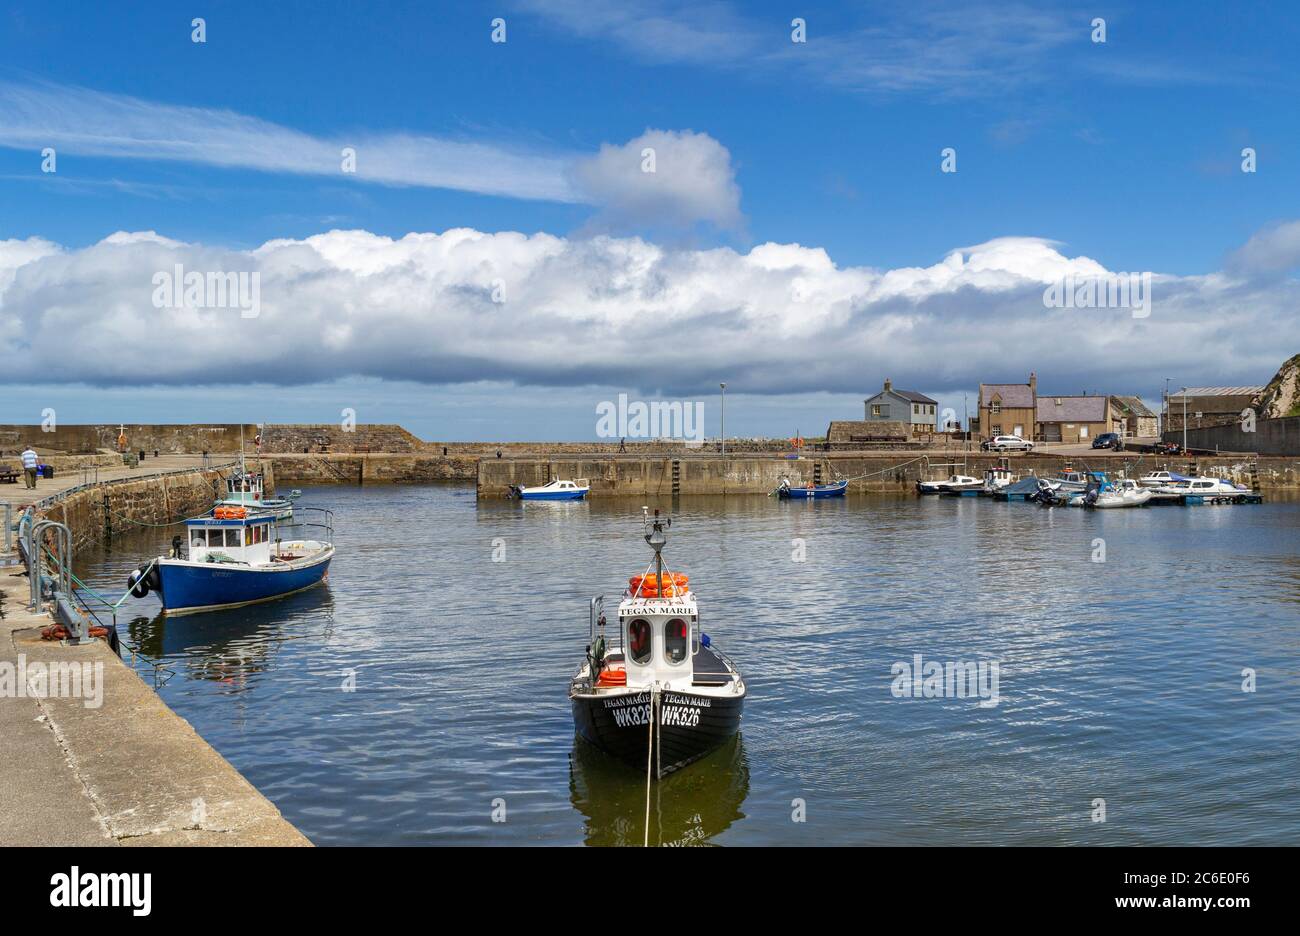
x=649 y=760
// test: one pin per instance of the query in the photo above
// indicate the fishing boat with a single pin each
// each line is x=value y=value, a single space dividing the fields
x=656 y=693
x=1124 y=493
x=247 y=489
x=995 y=479
x=235 y=557
x=811 y=491
x=557 y=489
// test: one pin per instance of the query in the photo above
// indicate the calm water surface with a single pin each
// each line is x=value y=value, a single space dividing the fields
x=1119 y=680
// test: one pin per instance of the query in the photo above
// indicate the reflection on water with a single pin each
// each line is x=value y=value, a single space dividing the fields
x=687 y=807
x=428 y=679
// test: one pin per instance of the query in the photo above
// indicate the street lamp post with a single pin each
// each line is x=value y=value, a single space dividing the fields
x=1184 y=393
x=723 y=430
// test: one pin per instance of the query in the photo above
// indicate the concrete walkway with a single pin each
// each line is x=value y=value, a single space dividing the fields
x=112 y=765
x=19 y=494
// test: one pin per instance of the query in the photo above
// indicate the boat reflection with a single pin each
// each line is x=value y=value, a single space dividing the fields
x=687 y=807
x=227 y=647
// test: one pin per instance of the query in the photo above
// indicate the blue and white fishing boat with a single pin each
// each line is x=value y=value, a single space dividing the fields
x=787 y=491
x=555 y=490
x=235 y=557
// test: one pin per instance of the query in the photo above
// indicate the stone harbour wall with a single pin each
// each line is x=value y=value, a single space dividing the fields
x=96 y=513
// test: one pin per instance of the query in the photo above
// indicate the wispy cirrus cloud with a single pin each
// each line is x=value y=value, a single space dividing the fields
x=967 y=49
x=693 y=182
x=95 y=123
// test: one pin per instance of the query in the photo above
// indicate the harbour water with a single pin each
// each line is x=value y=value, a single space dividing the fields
x=422 y=690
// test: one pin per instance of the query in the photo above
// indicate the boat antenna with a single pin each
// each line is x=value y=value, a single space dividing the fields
x=655 y=538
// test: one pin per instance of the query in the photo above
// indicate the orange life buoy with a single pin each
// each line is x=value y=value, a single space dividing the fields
x=612 y=677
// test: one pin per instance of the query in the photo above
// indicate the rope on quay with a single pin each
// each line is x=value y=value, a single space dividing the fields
x=883 y=471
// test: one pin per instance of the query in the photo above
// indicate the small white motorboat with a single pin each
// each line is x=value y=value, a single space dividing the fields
x=1125 y=493
x=951 y=483
x=1158 y=479
x=555 y=490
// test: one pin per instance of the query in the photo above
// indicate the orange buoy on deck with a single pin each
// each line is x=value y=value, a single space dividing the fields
x=612 y=677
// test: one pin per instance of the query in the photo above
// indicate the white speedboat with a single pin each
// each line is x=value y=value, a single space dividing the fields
x=555 y=490
x=1126 y=493
x=1158 y=479
x=951 y=483
x=1205 y=491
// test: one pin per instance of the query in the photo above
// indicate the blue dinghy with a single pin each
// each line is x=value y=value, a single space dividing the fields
x=834 y=489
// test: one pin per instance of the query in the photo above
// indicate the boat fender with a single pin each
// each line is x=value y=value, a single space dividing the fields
x=138 y=582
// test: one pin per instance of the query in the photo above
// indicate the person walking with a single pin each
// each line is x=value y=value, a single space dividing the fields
x=29 y=467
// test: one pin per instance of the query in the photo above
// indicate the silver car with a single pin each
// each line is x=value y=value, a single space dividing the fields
x=1008 y=444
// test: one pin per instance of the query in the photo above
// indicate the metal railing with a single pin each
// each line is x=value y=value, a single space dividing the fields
x=325 y=524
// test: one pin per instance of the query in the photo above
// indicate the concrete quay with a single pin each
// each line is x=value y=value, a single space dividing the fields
x=92 y=755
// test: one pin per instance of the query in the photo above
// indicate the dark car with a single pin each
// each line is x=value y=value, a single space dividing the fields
x=1108 y=440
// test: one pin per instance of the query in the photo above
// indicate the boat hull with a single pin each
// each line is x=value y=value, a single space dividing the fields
x=553 y=495
x=187 y=588
x=817 y=493
x=690 y=725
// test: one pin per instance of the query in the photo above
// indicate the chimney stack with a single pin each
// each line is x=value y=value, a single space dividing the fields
x=1033 y=384
x=889 y=385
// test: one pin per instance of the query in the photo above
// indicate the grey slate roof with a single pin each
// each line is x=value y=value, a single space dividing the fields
x=1217 y=391
x=1015 y=395
x=1073 y=409
x=1135 y=406
x=915 y=397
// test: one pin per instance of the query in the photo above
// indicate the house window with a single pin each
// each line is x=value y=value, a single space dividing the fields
x=995 y=406
x=879 y=409
x=997 y=429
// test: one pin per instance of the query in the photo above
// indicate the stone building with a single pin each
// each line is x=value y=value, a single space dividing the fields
x=1008 y=409
x=1074 y=419
x=1208 y=406
x=917 y=410
x=1139 y=421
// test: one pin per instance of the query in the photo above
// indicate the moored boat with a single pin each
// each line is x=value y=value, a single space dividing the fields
x=787 y=491
x=247 y=489
x=1195 y=491
x=951 y=483
x=655 y=694
x=1125 y=493
x=236 y=557
x=557 y=489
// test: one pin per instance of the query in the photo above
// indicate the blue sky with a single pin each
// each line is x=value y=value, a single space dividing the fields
x=1127 y=153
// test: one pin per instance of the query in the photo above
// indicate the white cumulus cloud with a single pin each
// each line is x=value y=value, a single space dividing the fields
x=464 y=305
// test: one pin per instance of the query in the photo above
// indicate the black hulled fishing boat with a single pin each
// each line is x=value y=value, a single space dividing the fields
x=655 y=693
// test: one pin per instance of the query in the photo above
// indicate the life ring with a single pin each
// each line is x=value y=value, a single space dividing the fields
x=612 y=677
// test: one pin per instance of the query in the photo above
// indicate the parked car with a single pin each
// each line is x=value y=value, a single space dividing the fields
x=1006 y=444
x=1167 y=448
x=1108 y=440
